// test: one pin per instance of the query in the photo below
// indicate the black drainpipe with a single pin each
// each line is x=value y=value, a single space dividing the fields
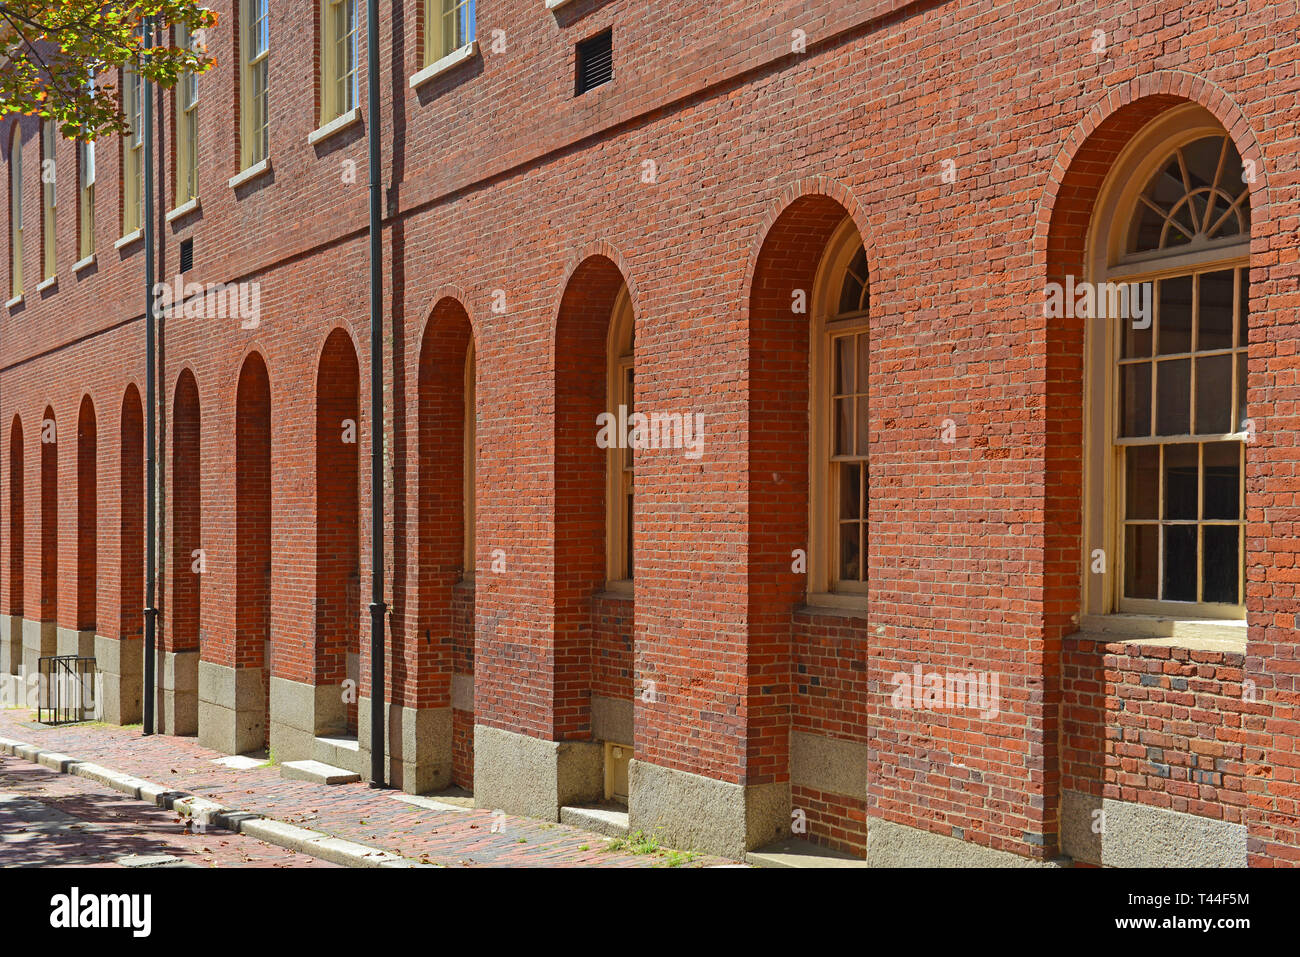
x=150 y=612
x=377 y=607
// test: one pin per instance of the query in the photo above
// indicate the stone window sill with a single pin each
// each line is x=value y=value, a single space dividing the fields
x=86 y=263
x=128 y=239
x=45 y=284
x=452 y=59
x=831 y=603
x=556 y=4
x=184 y=209
x=15 y=301
x=1153 y=631
x=336 y=125
x=250 y=174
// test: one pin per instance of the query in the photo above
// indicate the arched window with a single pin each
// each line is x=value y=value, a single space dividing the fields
x=621 y=390
x=1167 y=381
x=840 y=419
x=16 y=213
x=470 y=468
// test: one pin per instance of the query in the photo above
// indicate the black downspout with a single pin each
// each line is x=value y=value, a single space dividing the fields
x=377 y=607
x=150 y=612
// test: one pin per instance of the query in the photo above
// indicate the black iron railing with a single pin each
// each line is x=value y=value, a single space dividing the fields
x=67 y=689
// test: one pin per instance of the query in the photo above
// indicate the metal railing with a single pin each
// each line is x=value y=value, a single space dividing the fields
x=67 y=689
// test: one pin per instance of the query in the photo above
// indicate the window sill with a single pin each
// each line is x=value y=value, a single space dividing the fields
x=1155 y=631
x=335 y=125
x=832 y=603
x=86 y=263
x=619 y=588
x=556 y=4
x=45 y=284
x=128 y=239
x=454 y=58
x=15 y=301
x=250 y=174
x=184 y=209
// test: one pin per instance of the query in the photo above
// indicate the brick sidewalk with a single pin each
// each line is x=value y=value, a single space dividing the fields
x=48 y=819
x=350 y=811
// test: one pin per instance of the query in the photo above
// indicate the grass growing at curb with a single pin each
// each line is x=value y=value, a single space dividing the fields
x=639 y=842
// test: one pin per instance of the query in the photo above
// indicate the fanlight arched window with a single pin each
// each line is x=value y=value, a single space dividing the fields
x=1169 y=380
x=840 y=412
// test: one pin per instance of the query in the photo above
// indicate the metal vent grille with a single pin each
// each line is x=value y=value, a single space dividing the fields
x=187 y=255
x=595 y=62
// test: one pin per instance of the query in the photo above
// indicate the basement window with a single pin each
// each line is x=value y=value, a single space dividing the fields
x=595 y=62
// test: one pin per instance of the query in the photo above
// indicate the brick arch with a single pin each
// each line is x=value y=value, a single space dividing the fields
x=579 y=265
x=185 y=508
x=132 y=517
x=1102 y=133
x=796 y=234
x=338 y=517
x=253 y=532
x=16 y=517
x=440 y=499
x=579 y=362
x=87 y=515
x=794 y=197
x=457 y=294
x=49 y=552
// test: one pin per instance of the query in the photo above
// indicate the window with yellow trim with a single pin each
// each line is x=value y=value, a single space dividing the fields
x=132 y=152
x=338 y=58
x=186 y=110
x=254 y=82
x=49 y=176
x=620 y=483
x=16 y=213
x=448 y=26
x=1167 y=386
x=85 y=199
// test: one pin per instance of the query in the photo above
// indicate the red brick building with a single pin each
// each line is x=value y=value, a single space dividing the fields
x=914 y=543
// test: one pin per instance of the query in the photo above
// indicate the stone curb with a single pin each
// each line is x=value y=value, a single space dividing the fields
x=316 y=844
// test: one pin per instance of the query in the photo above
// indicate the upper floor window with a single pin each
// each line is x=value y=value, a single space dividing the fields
x=254 y=82
x=1168 y=402
x=16 y=213
x=49 y=175
x=133 y=152
x=448 y=26
x=338 y=58
x=186 y=110
x=85 y=199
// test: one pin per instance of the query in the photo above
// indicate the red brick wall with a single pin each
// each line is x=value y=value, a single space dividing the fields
x=496 y=179
x=612 y=660
x=1166 y=727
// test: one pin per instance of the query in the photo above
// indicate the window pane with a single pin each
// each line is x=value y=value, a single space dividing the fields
x=1137 y=342
x=863 y=375
x=1142 y=481
x=1136 y=420
x=1215 y=328
x=1181 y=469
x=1175 y=315
x=843 y=426
x=1214 y=395
x=1173 y=394
x=845 y=363
x=1222 y=462
x=1243 y=307
x=1220 y=564
x=1141 y=561
x=1242 y=413
x=864 y=425
x=1180 y=563
x=850 y=491
x=850 y=551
